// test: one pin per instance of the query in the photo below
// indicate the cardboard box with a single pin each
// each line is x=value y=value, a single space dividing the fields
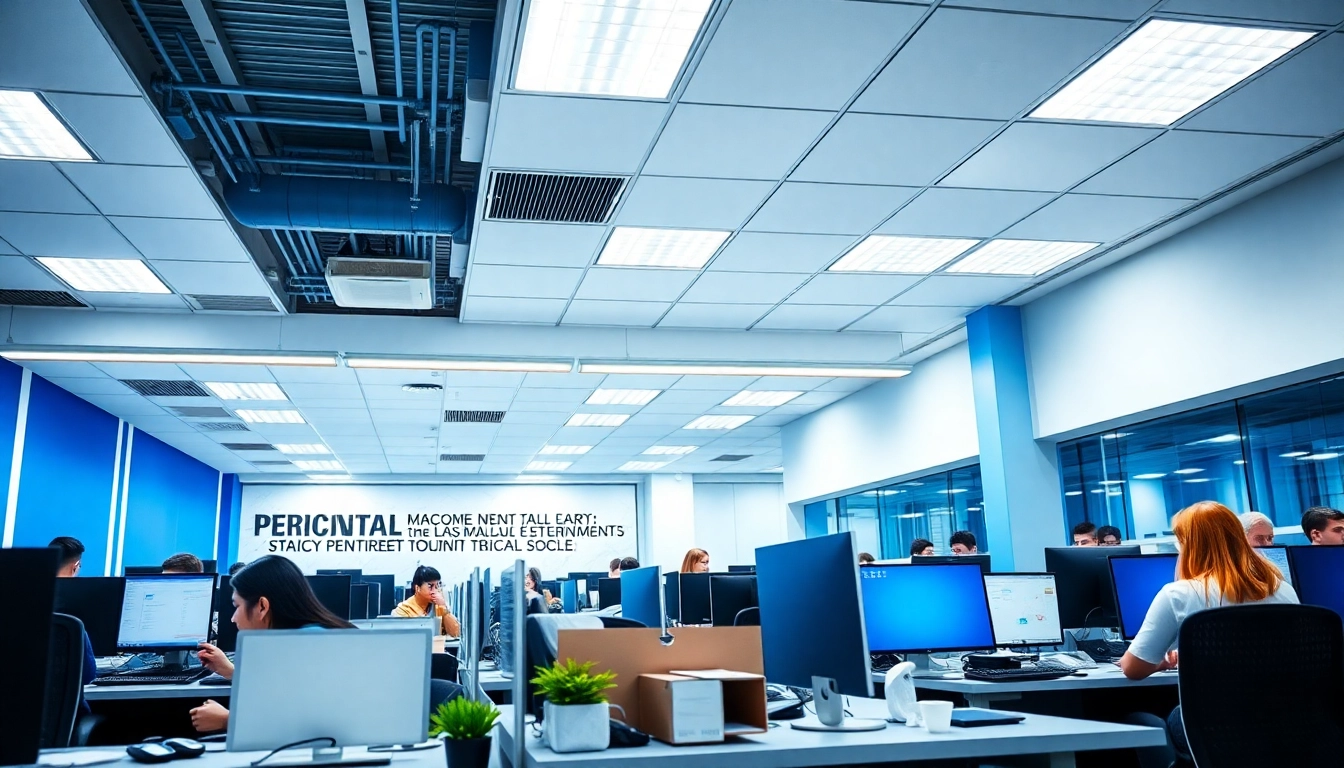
x=744 y=699
x=681 y=710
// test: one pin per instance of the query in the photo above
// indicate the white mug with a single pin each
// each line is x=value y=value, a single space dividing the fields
x=937 y=715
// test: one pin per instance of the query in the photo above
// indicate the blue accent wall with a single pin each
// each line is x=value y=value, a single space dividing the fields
x=230 y=512
x=171 y=504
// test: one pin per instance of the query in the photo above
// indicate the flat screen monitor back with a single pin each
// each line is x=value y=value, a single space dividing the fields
x=142 y=570
x=642 y=596
x=356 y=575
x=695 y=602
x=1083 y=578
x=1318 y=572
x=981 y=559
x=226 y=632
x=387 y=599
x=569 y=595
x=359 y=601
x=333 y=592
x=210 y=566
x=608 y=592
x=96 y=601
x=730 y=595
x=741 y=569
x=28 y=591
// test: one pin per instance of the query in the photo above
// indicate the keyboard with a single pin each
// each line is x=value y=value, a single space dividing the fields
x=153 y=676
x=1043 y=670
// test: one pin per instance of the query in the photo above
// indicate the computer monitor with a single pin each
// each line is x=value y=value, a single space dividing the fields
x=375 y=597
x=96 y=601
x=741 y=569
x=694 y=597
x=642 y=597
x=979 y=559
x=210 y=566
x=27 y=591
x=569 y=596
x=608 y=592
x=923 y=609
x=1137 y=580
x=1278 y=555
x=1318 y=573
x=1083 y=578
x=356 y=575
x=142 y=570
x=730 y=595
x=387 y=598
x=817 y=578
x=166 y=612
x=333 y=592
x=359 y=601
x=226 y=632
x=1024 y=608
x=386 y=673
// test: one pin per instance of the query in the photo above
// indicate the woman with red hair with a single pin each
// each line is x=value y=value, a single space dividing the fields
x=696 y=561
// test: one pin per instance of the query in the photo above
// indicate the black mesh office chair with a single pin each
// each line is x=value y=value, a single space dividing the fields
x=1263 y=685
x=620 y=622
x=747 y=617
x=65 y=670
x=443 y=666
x=442 y=691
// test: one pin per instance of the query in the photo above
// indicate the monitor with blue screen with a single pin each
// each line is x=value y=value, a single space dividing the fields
x=1317 y=575
x=926 y=608
x=1138 y=579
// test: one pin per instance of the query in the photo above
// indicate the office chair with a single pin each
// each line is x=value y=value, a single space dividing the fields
x=443 y=666
x=1263 y=685
x=747 y=617
x=619 y=622
x=442 y=691
x=65 y=671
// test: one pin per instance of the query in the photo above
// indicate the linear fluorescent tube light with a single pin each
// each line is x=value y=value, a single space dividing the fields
x=607 y=48
x=1020 y=257
x=642 y=466
x=908 y=255
x=320 y=465
x=597 y=419
x=302 y=448
x=461 y=364
x=105 y=275
x=1167 y=69
x=747 y=369
x=665 y=248
x=30 y=130
x=760 y=399
x=547 y=466
x=670 y=450
x=565 y=450
x=227 y=390
x=198 y=358
x=270 y=416
x=718 y=422
x=622 y=396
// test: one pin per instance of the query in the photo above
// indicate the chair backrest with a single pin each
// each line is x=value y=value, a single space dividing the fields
x=1263 y=685
x=747 y=617
x=538 y=655
x=65 y=670
x=442 y=691
x=443 y=666
x=620 y=622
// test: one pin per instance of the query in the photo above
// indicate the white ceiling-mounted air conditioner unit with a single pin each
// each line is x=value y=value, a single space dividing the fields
x=381 y=283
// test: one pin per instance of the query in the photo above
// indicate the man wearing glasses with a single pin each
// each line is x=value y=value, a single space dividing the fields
x=427 y=600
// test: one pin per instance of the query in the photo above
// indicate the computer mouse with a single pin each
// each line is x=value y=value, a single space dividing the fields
x=150 y=753
x=185 y=747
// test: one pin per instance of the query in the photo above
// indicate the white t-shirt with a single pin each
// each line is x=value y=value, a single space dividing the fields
x=1177 y=600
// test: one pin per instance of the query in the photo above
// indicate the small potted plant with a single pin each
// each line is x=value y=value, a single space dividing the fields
x=575 y=715
x=465 y=727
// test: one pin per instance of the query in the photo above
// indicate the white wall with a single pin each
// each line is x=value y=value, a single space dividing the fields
x=891 y=429
x=1242 y=298
x=670 y=520
x=733 y=519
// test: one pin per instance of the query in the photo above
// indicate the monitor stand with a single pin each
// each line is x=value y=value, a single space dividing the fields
x=176 y=661
x=323 y=756
x=925 y=668
x=830 y=706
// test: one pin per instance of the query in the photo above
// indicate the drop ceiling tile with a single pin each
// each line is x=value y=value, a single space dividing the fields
x=495 y=379
x=182 y=239
x=134 y=301
x=892 y=149
x=756 y=55
x=478 y=394
x=638 y=381
x=561 y=133
x=46 y=234
x=6 y=249
x=961 y=290
x=635 y=314
x=56 y=45
x=286 y=374
x=300 y=391
x=777 y=252
x=26 y=185
x=1094 y=218
x=951 y=212
x=1125 y=10
x=862 y=290
x=23 y=274
x=726 y=316
x=91 y=386
x=834 y=209
x=728 y=384
x=1049 y=157
x=563 y=395
x=742 y=288
x=635 y=284
x=119 y=129
x=536 y=245
x=125 y=406
x=576 y=380
x=1303 y=11
x=786 y=384
x=667 y=201
x=989 y=65
x=141 y=190
x=209 y=277
x=734 y=142
x=543 y=406
x=1192 y=164
x=552 y=418
x=527 y=282
x=916 y=319
x=808 y=317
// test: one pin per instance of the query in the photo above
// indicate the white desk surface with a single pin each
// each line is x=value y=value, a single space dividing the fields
x=1104 y=676
x=784 y=747
x=216 y=757
x=127 y=692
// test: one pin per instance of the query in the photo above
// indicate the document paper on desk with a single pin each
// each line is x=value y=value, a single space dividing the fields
x=87 y=757
x=697 y=711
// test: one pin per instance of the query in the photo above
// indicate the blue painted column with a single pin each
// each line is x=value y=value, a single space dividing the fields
x=1023 y=511
x=230 y=512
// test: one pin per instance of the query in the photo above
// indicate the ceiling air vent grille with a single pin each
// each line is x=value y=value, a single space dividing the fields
x=462 y=457
x=232 y=303
x=516 y=196
x=473 y=417
x=249 y=447
x=732 y=457
x=39 y=299
x=221 y=426
x=167 y=388
x=199 y=412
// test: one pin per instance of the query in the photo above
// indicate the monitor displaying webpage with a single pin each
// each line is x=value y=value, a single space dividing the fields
x=166 y=611
x=1024 y=608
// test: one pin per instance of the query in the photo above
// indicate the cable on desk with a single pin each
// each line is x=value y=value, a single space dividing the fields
x=294 y=745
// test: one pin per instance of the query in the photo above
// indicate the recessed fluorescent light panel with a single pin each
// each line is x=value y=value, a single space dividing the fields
x=718 y=422
x=565 y=450
x=607 y=47
x=623 y=396
x=461 y=364
x=226 y=390
x=302 y=448
x=547 y=466
x=29 y=130
x=642 y=466
x=665 y=248
x=597 y=419
x=1166 y=70
x=745 y=369
x=760 y=398
x=320 y=465
x=670 y=450
x=105 y=275
x=908 y=255
x=203 y=358
x=270 y=416
x=1189 y=471
x=1020 y=257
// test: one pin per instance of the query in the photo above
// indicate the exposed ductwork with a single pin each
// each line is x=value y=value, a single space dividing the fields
x=345 y=205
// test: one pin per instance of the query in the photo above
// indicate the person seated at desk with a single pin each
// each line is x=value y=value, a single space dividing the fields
x=697 y=561
x=426 y=599
x=1085 y=534
x=628 y=564
x=1216 y=567
x=71 y=553
x=614 y=568
x=1108 y=536
x=538 y=599
x=183 y=562
x=1324 y=526
x=921 y=548
x=270 y=593
x=864 y=559
x=963 y=543
x=236 y=567
x=1259 y=529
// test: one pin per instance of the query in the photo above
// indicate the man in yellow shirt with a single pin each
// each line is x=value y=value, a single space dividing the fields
x=427 y=600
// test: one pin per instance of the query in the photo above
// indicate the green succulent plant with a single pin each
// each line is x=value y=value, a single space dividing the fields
x=462 y=718
x=571 y=683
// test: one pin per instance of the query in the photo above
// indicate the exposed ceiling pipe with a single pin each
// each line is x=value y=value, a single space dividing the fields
x=301 y=202
x=396 y=63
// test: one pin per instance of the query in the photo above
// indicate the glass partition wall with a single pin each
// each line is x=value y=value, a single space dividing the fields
x=887 y=520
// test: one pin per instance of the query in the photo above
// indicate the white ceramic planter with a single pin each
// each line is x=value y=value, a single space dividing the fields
x=577 y=727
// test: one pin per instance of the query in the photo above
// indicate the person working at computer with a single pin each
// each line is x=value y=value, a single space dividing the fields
x=963 y=543
x=1324 y=526
x=864 y=559
x=1085 y=534
x=628 y=564
x=539 y=600
x=697 y=561
x=71 y=556
x=183 y=562
x=921 y=547
x=236 y=567
x=614 y=568
x=1216 y=567
x=426 y=599
x=270 y=593
x=1259 y=529
x=1108 y=536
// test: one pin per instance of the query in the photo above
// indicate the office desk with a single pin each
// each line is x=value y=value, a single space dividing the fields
x=1053 y=739
x=979 y=693
x=126 y=692
x=217 y=758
